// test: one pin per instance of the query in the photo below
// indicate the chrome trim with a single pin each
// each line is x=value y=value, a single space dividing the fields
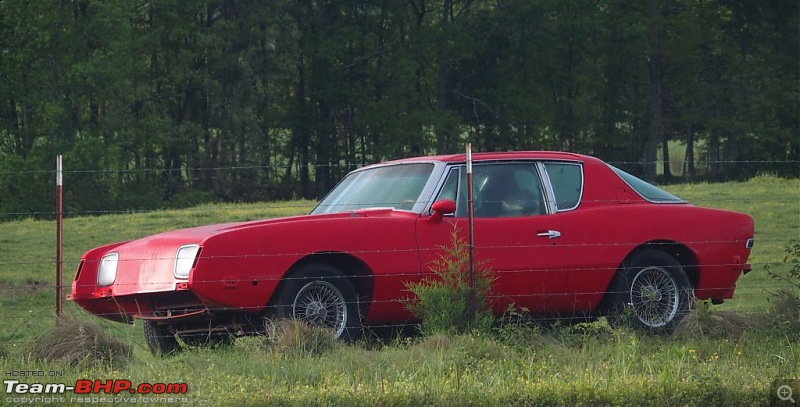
x=549 y=193
x=552 y=234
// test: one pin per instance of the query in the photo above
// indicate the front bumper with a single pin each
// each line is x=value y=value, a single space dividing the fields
x=177 y=305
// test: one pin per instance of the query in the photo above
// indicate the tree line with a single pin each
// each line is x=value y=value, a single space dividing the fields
x=169 y=103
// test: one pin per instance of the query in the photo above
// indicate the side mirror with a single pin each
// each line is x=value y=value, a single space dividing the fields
x=441 y=208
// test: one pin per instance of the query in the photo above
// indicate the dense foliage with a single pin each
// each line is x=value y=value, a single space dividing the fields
x=164 y=103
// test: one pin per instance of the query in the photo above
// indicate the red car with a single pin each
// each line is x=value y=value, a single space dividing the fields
x=564 y=234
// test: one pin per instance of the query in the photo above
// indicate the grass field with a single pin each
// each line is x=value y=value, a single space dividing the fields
x=587 y=364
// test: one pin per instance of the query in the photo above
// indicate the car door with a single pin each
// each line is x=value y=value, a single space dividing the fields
x=517 y=234
x=594 y=232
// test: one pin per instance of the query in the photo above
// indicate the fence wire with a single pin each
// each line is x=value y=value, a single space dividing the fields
x=18 y=286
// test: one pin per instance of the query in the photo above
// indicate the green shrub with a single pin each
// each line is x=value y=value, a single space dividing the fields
x=443 y=301
x=785 y=302
x=792 y=258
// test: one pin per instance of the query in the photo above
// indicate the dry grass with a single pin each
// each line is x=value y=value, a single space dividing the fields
x=436 y=342
x=79 y=343
x=707 y=322
x=296 y=338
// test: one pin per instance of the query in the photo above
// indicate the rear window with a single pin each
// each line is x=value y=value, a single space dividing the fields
x=649 y=192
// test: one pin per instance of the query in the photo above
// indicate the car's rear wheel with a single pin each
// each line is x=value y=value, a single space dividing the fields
x=159 y=339
x=320 y=296
x=651 y=292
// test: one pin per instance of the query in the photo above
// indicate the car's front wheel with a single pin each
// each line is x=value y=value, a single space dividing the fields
x=320 y=296
x=652 y=292
x=159 y=339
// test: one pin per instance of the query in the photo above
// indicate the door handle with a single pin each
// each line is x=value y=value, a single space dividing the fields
x=552 y=234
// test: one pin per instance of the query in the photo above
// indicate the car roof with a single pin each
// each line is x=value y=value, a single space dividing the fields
x=492 y=156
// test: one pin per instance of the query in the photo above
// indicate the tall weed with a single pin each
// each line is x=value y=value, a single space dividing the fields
x=443 y=302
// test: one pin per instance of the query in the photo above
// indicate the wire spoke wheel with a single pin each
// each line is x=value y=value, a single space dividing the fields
x=320 y=303
x=650 y=292
x=654 y=296
x=320 y=295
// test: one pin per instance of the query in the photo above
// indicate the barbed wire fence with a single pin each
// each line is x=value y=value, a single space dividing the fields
x=17 y=290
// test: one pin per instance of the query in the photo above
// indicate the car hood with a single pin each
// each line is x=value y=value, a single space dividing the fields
x=201 y=233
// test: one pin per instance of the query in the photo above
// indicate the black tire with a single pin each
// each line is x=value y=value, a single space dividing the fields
x=159 y=339
x=319 y=295
x=650 y=292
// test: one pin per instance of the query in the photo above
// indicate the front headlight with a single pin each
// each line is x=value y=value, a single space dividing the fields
x=107 y=271
x=184 y=260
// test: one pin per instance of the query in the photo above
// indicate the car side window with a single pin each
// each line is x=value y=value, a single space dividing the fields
x=500 y=190
x=450 y=187
x=567 y=182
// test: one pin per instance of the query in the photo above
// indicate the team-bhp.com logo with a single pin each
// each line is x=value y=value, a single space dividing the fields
x=92 y=391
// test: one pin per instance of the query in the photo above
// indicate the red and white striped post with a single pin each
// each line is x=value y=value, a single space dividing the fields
x=471 y=243
x=59 y=219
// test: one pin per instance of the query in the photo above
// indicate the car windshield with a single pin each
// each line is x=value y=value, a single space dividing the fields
x=650 y=192
x=392 y=186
